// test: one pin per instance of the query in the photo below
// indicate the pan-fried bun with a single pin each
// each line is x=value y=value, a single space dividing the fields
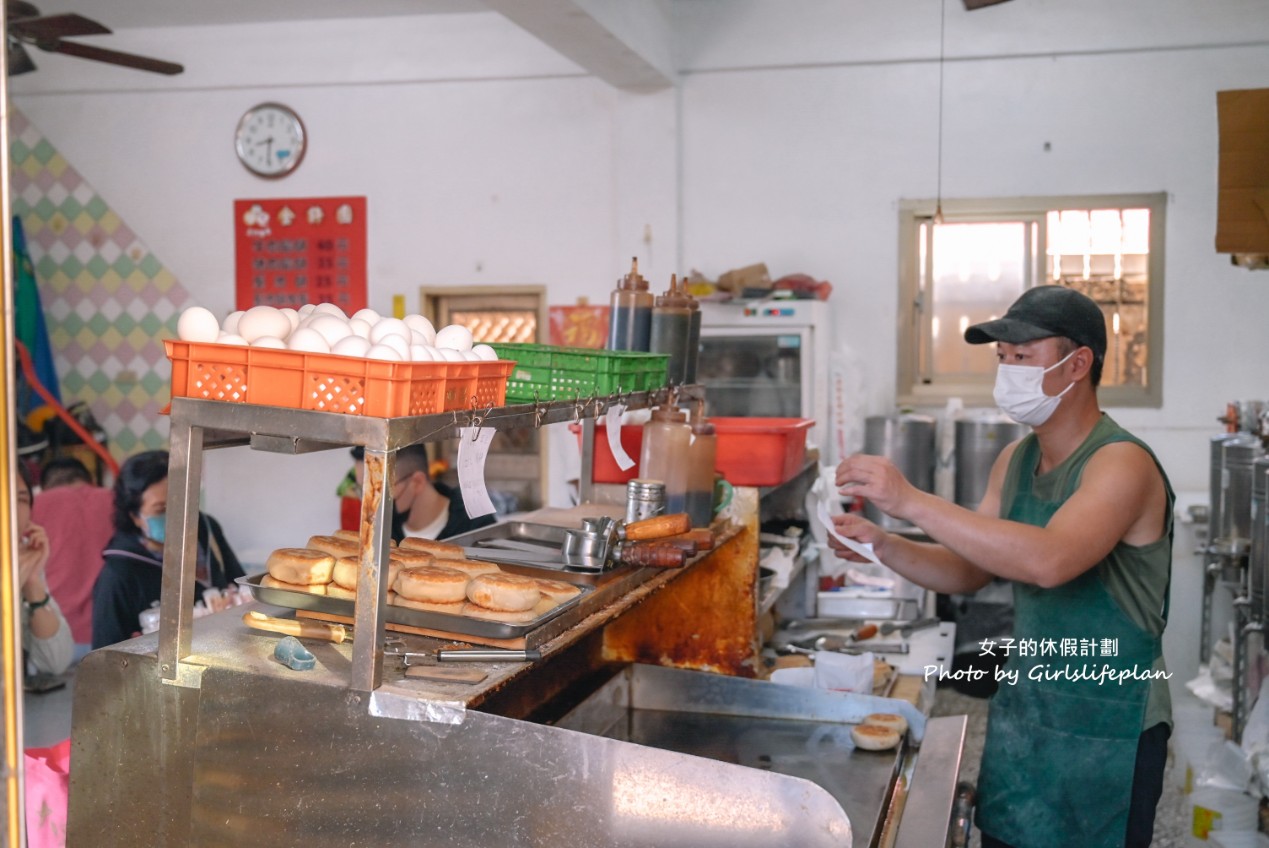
x=268 y=581
x=870 y=737
x=433 y=584
x=557 y=590
x=455 y=608
x=441 y=550
x=346 y=568
x=504 y=592
x=412 y=559
x=471 y=567
x=507 y=616
x=894 y=721
x=337 y=591
x=334 y=546
x=300 y=565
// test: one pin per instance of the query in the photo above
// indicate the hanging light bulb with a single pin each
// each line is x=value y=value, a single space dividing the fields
x=938 y=203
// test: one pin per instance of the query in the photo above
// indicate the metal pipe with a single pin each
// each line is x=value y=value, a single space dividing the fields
x=10 y=619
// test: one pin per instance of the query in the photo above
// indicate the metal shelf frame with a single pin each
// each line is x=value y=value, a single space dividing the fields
x=200 y=425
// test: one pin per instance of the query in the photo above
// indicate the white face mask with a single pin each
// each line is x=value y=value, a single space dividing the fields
x=1020 y=394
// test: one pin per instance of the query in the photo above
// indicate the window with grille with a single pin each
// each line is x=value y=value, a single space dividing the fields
x=971 y=265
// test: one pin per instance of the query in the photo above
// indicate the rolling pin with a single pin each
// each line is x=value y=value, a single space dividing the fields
x=652 y=554
x=336 y=633
x=655 y=527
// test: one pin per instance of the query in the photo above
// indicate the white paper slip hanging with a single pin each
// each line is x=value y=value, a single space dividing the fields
x=612 y=423
x=473 y=448
x=863 y=550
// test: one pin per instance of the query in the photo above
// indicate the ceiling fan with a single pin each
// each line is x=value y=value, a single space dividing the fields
x=26 y=26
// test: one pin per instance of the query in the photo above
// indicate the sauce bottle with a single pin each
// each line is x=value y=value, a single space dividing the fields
x=664 y=454
x=694 y=335
x=672 y=330
x=630 y=318
x=701 y=451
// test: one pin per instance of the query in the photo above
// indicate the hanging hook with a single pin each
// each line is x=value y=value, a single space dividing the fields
x=538 y=411
x=578 y=407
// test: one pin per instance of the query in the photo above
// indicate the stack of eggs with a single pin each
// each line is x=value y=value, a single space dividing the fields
x=324 y=328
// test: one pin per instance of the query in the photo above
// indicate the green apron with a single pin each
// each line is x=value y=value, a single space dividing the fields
x=1059 y=756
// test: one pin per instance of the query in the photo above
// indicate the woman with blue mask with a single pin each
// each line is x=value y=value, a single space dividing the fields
x=131 y=577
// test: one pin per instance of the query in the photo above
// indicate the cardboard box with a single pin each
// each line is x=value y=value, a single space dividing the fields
x=1242 y=202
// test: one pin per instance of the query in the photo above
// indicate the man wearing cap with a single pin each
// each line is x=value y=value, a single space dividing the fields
x=1078 y=515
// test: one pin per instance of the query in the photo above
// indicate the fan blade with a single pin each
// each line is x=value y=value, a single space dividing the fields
x=16 y=9
x=56 y=26
x=971 y=5
x=114 y=57
x=19 y=60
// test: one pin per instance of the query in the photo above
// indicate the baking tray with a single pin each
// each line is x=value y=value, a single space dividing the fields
x=459 y=624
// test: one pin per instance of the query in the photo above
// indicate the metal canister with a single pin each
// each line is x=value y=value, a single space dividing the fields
x=644 y=499
x=907 y=440
x=1258 y=565
x=978 y=442
x=1233 y=527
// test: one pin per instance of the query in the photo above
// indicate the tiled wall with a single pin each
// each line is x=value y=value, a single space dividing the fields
x=108 y=300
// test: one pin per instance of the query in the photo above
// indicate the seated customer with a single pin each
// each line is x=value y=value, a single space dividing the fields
x=46 y=637
x=422 y=507
x=79 y=519
x=131 y=577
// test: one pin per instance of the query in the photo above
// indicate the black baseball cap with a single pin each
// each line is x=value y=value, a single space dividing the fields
x=1045 y=311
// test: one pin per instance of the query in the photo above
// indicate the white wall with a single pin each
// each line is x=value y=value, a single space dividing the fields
x=796 y=130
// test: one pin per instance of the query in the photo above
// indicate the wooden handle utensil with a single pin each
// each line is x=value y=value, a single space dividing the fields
x=336 y=633
x=658 y=526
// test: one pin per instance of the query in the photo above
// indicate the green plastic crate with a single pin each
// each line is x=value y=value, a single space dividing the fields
x=549 y=372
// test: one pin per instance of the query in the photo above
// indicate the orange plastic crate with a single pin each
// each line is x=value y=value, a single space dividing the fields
x=760 y=451
x=316 y=381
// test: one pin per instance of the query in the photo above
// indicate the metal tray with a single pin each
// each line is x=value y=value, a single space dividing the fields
x=460 y=624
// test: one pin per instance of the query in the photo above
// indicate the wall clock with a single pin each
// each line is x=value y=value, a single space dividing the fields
x=270 y=140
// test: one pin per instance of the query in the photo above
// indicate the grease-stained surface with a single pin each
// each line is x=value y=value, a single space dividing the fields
x=709 y=620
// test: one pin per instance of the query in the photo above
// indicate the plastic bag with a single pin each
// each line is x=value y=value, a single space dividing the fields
x=47 y=794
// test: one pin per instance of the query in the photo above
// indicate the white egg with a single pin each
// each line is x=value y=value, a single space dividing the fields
x=263 y=321
x=197 y=324
x=351 y=346
x=451 y=355
x=485 y=352
x=422 y=325
x=230 y=324
x=306 y=310
x=292 y=316
x=417 y=338
x=421 y=353
x=332 y=329
x=383 y=351
x=271 y=342
x=230 y=339
x=308 y=340
x=368 y=315
x=454 y=337
x=398 y=344
x=330 y=309
x=360 y=327
x=389 y=327
x=470 y=355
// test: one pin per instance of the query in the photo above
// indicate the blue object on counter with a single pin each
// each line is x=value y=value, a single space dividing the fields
x=292 y=654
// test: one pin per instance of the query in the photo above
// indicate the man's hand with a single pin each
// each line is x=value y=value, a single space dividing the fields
x=877 y=480
x=861 y=530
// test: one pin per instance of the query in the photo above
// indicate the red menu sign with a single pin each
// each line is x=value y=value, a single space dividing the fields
x=298 y=250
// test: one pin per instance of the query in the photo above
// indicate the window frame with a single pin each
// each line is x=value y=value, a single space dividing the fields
x=911 y=391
